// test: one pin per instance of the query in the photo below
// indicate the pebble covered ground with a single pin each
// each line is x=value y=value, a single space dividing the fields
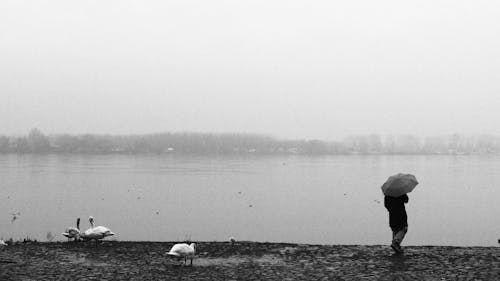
x=245 y=261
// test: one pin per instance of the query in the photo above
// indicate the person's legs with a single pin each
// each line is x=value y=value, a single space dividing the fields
x=399 y=235
x=394 y=245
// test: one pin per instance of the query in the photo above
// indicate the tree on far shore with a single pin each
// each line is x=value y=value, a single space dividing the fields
x=37 y=141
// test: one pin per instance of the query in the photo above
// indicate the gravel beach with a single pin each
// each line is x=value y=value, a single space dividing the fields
x=113 y=260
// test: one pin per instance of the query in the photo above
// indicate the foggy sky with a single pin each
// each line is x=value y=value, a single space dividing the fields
x=294 y=69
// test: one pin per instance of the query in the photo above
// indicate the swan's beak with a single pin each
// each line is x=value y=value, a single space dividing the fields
x=111 y=233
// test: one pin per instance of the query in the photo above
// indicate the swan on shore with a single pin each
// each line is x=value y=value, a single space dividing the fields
x=183 y=250
x=2 y=243
x=73 y=232
x=96 y=233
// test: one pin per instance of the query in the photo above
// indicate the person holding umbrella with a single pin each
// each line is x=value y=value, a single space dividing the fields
x=395 y=190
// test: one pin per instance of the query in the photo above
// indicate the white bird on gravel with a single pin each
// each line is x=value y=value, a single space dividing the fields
x=73 y=232
x=183 y=250
x=96 y=233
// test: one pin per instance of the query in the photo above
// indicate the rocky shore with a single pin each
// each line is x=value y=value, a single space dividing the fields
x=113 y=260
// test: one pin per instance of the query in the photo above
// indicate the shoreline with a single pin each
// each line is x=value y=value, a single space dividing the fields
x=244 y=260
x=12 y=242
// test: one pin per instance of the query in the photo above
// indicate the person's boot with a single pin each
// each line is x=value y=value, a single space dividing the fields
x=396 y=247
x=400 y=249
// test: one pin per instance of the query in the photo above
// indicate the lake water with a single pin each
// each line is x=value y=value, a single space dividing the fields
x=327 y=200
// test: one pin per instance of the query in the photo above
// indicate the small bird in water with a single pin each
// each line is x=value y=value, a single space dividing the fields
x=15 y=216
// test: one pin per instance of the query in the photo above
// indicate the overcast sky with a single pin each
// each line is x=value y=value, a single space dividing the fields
x=293 y=69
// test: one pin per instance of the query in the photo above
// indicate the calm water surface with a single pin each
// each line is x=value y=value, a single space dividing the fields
x=328 y=200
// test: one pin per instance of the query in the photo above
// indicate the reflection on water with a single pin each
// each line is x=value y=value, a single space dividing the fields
x=333 y=200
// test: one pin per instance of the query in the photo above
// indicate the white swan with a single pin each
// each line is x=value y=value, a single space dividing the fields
x=73 y=232
x=95 y=233
x=183 y=250
x=2 y=243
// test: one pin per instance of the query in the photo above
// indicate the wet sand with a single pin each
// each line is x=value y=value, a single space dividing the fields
x=113 y=260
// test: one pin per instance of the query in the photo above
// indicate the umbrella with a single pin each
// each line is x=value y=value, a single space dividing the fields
x=399 y=184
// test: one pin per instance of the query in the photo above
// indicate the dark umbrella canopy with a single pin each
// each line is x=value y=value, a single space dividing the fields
x=399 y=184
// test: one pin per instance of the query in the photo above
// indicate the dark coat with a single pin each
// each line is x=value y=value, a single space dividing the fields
x=397 y=212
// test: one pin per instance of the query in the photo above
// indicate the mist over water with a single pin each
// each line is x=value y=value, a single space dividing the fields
x=292 y=69
x=323 y=199
x=297 y=112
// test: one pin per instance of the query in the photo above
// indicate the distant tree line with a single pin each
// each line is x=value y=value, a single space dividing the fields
x=206 y=143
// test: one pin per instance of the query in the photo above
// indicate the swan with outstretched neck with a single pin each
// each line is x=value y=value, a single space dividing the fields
x=96 y=233
x=73 y=232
